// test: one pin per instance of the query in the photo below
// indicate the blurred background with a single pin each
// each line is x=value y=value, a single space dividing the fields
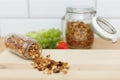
x=22 y=16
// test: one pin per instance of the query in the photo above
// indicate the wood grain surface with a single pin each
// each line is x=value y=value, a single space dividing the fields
x=103 y=44
x=84 y=65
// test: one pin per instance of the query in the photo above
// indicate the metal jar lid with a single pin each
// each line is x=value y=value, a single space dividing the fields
x=103 y=28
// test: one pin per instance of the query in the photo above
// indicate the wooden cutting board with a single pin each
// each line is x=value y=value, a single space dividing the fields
x=84 y=65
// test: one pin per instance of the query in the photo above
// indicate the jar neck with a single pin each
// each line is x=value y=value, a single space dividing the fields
x=89 y=10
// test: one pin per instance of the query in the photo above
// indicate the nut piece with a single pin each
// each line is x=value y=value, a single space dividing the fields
x=79 y=35
x=56 y=70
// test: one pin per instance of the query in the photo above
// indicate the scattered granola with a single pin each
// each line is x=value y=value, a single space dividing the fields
x=50 y=66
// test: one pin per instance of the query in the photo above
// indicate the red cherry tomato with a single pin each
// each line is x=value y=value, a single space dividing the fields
x=62 y=45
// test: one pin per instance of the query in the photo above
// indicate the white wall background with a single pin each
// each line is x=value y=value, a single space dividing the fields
x=22 y=16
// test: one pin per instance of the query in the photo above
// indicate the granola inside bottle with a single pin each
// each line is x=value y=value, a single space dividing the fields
x=79 y=35
x=24 y=47
x=78 y=32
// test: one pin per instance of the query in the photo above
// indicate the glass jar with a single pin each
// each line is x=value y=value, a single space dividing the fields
x=24 y=47
x=78 y=32
x=80 y=25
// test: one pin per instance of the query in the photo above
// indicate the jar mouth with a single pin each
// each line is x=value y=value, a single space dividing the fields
x=103 y=28
x=105 y=25
x=29 y=45
x=81 y=10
